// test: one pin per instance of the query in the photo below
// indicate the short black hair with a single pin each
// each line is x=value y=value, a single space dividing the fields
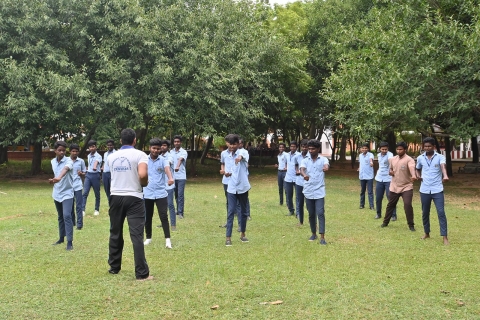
x=110 y=141
x=59 y=144
x=167 y=142
x=366 y=145
x=314 y=143
x=92 y=143
x=304 y=142
x=155 y=142
x=179 y=137
x=383 y=144
x=402 y=144
x=127 y=136
x=232 y=138
x=74 y=146
x=294 y=143
x=282 y=144
x=429 y=140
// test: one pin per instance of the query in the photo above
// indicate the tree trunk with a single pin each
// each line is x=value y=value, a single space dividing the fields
x=343 y=148
x=3 y=154
x=353 y=152
x=392 y=142
x=448 y=156
x=437 y=145
x=334 y=146
x=205 y=150
x=311 y=133
x=474 y=149
x=192 y=151
x=37 y=158
x=88 y=137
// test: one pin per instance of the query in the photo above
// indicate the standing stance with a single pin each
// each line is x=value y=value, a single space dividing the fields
x=155 y=192
x=365 y=173
x=282 y=170
x=290 y=177
x=106 y=177
x=237 y=189
x=79 y=170
x=432 y=172
x=63 y=193
x=313 y=170
x=383 y=179
x=179 y=156
x=92 y=179
x=402 y=170
x=226 y=168
x=170 y=188
x=299 y=182
x=129 y=168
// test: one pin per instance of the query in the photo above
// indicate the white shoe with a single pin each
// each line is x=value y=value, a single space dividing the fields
x=168 y=243
x=84 y=213
x=96 y=213
x=147 y=242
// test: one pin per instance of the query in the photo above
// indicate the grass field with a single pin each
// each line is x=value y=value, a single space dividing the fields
x=365 y=272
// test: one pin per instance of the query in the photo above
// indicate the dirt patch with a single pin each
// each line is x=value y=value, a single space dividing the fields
x=12 y=217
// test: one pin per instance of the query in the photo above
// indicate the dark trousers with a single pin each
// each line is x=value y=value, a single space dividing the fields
x=232 y=208
x=133 y=209
x=237 y=208
x=107 y=179
x=281 y=184
x=180 y=195
x=162 y=206
x=316 y=209
x=65 y=223
x=439 y=201
x=92 y=179
x=300 y=202
x=289 y=186
x=380 y=189
x=78 y=203
x=393 y=198
x=366 y=184
x=171 y=207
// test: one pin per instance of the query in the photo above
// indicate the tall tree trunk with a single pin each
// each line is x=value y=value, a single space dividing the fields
x=88 y=137
x=343 y=148
x=392 y=141
x=3 y=154
x=193 y=153
x=448 y=156
x=474 y=149
x=353 y=151
x=311 y=132
x=205 y=150
x=37 y=158
x=334 y=146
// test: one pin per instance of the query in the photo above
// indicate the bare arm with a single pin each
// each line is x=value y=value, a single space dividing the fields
x=60 y=176
x=168 y=172
x=444 y=172
x=179 y=163
x=143 y=174
x=222 y=168
x=303 y=174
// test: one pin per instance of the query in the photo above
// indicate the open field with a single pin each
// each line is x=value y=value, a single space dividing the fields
x=364 y=272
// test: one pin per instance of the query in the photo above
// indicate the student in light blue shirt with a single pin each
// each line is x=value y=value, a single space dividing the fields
x=170 y=188
x=313 y=170
x=431 y=170
x=383 y=179
x=238 y=187
x=365 y=174
x=106 y=176
x=299 y=182
x=78 y=171
x=291 y=177
x=180 y=173
x=227 y=164
x=63 y=193
x=282 y=170
x=92 y=179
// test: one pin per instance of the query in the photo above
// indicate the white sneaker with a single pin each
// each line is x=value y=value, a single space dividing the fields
x=84 y=213
x=168 y=243
x=147 y=242
x=96 y=213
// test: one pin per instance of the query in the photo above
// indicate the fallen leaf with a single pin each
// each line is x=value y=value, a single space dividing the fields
x=215 y=196
x=215 y=307
x=263 y=303
x=460 y=303
x=276 y=302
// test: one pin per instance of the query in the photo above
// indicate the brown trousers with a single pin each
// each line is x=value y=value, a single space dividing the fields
x=393 y=198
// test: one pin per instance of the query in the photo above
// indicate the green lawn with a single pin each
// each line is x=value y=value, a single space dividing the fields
x=364 y=272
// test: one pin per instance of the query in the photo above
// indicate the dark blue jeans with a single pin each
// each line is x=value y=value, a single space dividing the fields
x=281 y=184
x=439 y=201
x=65 y=223
x=171 y=207
x=316 y=209
x=289 y=186
x=107 y=179
x=380 y=189
x=237 y=208
x=232 y=208
x=180 y=195
x=92 y=179
x=78 y=203
x=300 y=202
x=366 y=184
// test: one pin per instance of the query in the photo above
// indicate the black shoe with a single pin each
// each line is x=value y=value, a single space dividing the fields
x=113 y=271
x=79 y=228
x=394 y=218
x=378 y=216
x=361 y=207
x=58 y=242
x=69 y=246
x=384 y=225
x=412 y=229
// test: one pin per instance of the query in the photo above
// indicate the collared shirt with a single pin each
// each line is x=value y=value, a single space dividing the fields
x=169 y=158
x=432 y=177
x=314 y=188
x=78 y=165
x=124 y=170
x=298 y=161
x=282 y=161
x=366 y=171
x=238 y=182
x=63 y=189
x=106 y=168
x=228 y=163
x=383 y=167
x=182 y=172
x=91 y=160
x=291 y=175
x=156 y=188
x=402 y=169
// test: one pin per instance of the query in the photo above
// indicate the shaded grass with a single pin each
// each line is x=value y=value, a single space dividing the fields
x=364 y=272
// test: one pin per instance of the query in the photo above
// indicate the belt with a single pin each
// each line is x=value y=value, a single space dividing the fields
x=282 y=170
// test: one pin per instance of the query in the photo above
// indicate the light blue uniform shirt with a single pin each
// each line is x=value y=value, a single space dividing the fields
x=432 y=178
x=169 y=158
x=156 y=179
x=291 y=175
x=383 y=167
x=106 y=168
x=365 y=172
x=63 y=189
x=298 y=161
x=91 y=161
x=228 y=163
x=314 y=188
x=78 y=165
x=282 y=161
x=182 y=172
x=238 y=182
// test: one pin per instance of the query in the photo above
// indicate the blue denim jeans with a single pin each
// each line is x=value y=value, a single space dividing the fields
x=232 y=208
x=316 y=209
x=92 y=179
x=300 y=202
x=78 y=203
x=366 y=184
x=289 y=186
x=65 y=223
x=107 y=179
x=281 y=184
x=171 y=207
x=439 y=201
x=380 y=189
x=237 y=208
x=180 y=195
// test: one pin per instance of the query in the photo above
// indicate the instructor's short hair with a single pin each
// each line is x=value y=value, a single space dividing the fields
x=59 y=144
x=127 y=136
x=402 y=144
x=314 y=143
